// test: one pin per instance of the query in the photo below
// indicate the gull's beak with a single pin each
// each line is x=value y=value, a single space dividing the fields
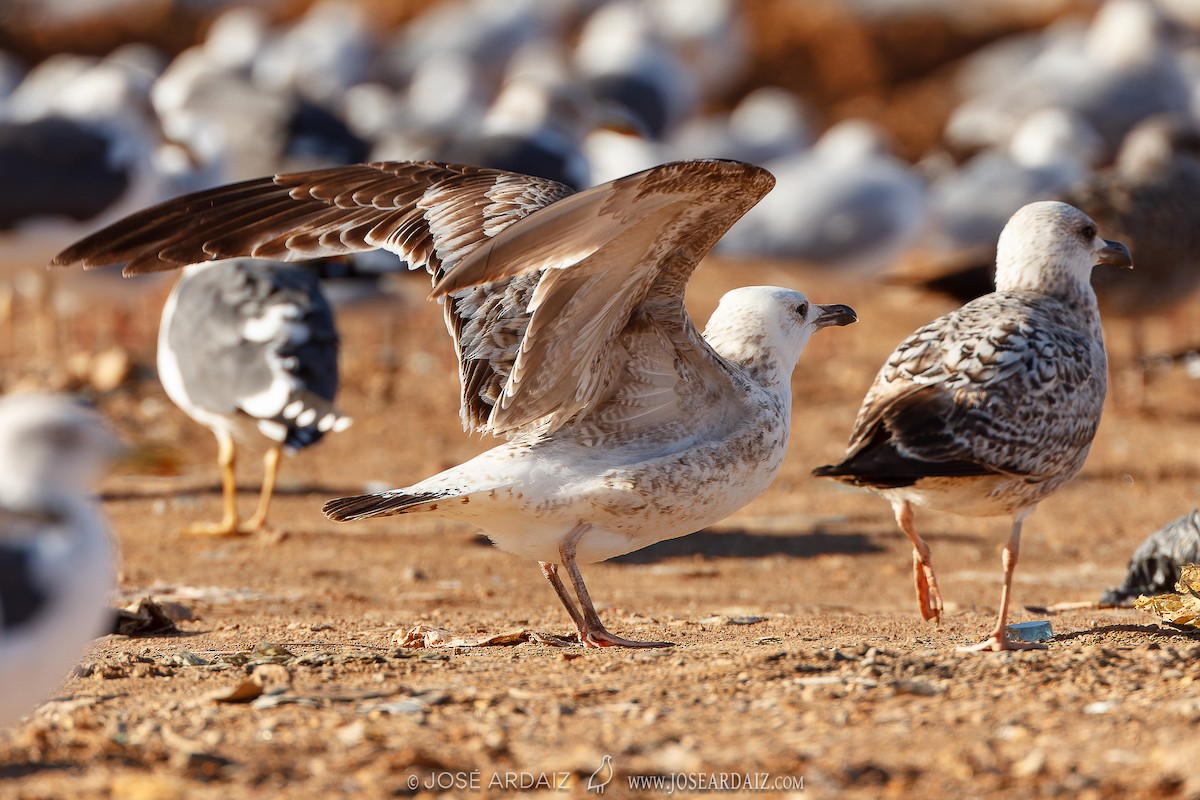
x=1114 y=254
x=835 y=314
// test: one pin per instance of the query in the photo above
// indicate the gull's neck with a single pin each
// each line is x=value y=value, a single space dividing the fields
x=1070 y=287
x=757 y=348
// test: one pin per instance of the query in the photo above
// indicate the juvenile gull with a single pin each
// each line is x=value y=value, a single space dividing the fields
x=989 y=409
x=625 y=425
x=55 y=559
x=248 y=348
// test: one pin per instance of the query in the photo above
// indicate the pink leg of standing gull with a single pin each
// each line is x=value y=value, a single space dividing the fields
x=998 y=639
x=592 y=632
x=929 y=599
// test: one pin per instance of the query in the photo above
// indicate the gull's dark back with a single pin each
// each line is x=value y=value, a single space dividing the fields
x=21 y=598
x=1155 y=565
x=56 y=167
x=221 y=365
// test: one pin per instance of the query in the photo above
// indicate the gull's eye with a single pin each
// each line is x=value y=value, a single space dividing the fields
x=1088 y=232
x=802 y=310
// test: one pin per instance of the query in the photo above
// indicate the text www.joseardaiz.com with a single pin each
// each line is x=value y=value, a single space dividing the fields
x=716 y=782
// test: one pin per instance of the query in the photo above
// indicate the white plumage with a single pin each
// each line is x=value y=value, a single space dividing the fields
x=56 y=563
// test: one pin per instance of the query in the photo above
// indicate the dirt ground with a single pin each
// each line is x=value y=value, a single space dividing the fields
x=800 y=662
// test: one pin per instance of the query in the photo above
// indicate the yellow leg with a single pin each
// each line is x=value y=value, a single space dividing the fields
x=226 y=458
x=46 y=322
x=270 y=471
x=7 y=295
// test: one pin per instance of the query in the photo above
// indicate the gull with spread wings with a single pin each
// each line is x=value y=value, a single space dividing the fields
x=625 y=425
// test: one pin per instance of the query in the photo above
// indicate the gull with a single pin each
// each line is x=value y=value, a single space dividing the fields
x=624 y=425
x=249 y=347
x=1149 y=199
x=1155 y=566
x=844 y=204
x=989 y=409
x=56 y=563
x=1120 y=69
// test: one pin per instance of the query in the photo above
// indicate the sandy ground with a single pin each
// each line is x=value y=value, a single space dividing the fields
x=800 y=661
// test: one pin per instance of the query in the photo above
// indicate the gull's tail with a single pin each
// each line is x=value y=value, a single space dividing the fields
x=381 y=504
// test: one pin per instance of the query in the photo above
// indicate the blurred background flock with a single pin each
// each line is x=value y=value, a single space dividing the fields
x=903 y=132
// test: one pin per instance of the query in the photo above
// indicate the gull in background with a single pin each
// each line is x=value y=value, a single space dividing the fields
x=249 y=348
x=56 y=563
x=991 y=408
x=1156 y=564
x=845 y=203
x=625 y=425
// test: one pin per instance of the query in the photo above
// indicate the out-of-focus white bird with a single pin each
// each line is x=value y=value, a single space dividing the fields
x=767 y=124
x=56 y=563
x=1119 y=70
x=623 y=58
x=969 y=206
x=845 y=203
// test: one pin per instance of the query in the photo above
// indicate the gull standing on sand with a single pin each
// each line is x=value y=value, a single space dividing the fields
x=989 y=409
x=56 y=563
x=248 y=348
x=625 y=425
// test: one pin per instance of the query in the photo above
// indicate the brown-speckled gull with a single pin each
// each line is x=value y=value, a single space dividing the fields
x=625 y=424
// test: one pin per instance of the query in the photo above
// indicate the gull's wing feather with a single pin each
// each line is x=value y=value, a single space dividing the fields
x=431 y=215
x=601 y=258
x=565 y=272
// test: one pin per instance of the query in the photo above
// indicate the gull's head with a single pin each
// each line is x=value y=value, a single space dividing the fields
x=1050 y=248
x=766 y=328
x=50 y=446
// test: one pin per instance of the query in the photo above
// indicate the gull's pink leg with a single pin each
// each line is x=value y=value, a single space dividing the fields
x=929 y=599
x=551 y=573
x=592 y=632
x=998 y=639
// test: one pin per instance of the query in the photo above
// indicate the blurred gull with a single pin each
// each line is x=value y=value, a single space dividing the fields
x=709 y=37
x=481 y=35
x=1119 y=70
x=622 y=58
x=214 y=99
x=319 y=57
x=56 y=563
x=248 y=348
x=1155 y=565
x=845 y=203
x=767 y=124
x=536 y=126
